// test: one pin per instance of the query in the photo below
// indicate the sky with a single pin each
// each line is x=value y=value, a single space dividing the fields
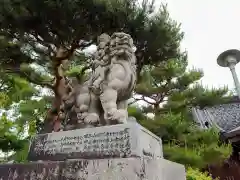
x=211 y=27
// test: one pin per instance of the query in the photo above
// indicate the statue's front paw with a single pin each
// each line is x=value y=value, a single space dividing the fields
x=120 y=116
x=81 y=116
x=117 y=116
x=91 y=119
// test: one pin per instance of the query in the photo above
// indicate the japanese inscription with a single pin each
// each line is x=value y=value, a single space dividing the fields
x=103 y=142
x=91 y=144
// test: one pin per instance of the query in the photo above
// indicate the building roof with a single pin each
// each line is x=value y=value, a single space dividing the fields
x=226 y=117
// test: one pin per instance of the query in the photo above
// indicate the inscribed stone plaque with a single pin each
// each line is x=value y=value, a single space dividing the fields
x=124 y=140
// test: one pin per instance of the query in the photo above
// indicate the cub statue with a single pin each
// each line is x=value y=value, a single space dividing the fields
x=102 y=100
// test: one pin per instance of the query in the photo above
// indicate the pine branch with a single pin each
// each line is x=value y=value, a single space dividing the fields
x=28 y=76
x=34 y=43
x=35 y=81
x=145 y=100
x=75 y=45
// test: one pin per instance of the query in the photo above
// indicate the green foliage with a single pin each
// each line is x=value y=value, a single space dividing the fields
x=34 y=76
x=195 y=174
x=136 y=112
x=31 y=114
x=30 y=29
x=16 y=92
x=14 y=89
x=4 y=99
x=169 y=86
x=20 y=156
x=198 y=157
x=185 y=143
x=9 y=139
x=78 y=72
x=197 y=95
x=169 y=91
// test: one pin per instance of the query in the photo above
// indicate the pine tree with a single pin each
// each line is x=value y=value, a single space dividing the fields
x=170 y=86
x=13 y=91
x=36 y=38
x=169 y=90
x=52 y=35
x=185 y=143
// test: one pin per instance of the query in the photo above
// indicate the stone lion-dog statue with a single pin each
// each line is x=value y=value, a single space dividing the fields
x=102 y=100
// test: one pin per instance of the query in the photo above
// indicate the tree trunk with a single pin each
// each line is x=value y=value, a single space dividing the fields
x=61 y=90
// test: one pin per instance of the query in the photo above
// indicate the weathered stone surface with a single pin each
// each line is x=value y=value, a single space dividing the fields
x=122 y=140
x=33 y=171
x=100 y=169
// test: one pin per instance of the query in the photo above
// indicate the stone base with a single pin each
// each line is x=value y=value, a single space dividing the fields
x=100 y=169
x=116 y=141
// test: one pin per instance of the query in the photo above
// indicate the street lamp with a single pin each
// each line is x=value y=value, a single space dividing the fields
x=229 y=59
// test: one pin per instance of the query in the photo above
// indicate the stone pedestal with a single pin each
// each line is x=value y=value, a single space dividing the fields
x=116 y=141
x=98 y=169
x=118 y=152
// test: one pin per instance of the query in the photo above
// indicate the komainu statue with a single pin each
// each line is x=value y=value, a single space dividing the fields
x=102 y=99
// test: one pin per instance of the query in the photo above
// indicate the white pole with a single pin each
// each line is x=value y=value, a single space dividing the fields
x=235 y=78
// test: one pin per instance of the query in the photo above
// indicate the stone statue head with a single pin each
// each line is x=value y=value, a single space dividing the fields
x=103 y=38
x=121 y=45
